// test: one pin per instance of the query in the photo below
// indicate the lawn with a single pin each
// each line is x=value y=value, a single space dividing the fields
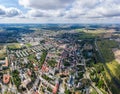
x=52 y=62
x=93 y=91
x=28 y=45
x=2 y=55
x=14 y=46
x=114 y=67
x=32 y=58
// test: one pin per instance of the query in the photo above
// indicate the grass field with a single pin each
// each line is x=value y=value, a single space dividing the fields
x=14 y=46
x=32 y=58
x=3 y=55
x=28 y=45
x=114 y=67
x=2 y=52
x=93 y=91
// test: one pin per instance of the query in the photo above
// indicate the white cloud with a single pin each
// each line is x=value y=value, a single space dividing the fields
x=9 y=12
x=65 y=10
x=45 y=4
x=72 y=8
x=44 y=13
x=95 y=9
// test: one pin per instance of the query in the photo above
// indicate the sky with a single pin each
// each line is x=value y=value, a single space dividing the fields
x=59 y=11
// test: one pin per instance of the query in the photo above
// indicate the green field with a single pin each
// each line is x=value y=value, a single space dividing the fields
x=93 y=91
x=2 y=52
x=32 y=58
x=3 y=55
x=14 y=46
x=28 y=45
x=114 y=68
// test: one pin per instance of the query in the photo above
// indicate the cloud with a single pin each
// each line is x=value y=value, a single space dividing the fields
x=45 y=4
x=64 y=10
x=44 y=13
x=9 y=12
x=72 y=8
x=95 y=9
x=2 y=10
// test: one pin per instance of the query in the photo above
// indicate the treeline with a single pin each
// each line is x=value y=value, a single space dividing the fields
x=105 y=47
x=43 y=56
x=16 y=79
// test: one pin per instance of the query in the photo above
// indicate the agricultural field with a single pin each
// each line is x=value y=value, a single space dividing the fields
x=90 y=34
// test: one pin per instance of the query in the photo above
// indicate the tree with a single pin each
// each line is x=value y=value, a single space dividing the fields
x=67 y=91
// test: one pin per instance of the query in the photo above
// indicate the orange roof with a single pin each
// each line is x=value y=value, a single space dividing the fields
x=45 y=68
x=36 y=68
x=55 y=89
x=6 y=78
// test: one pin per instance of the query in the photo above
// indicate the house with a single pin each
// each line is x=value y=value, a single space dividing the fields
x=25 y=82
x=55 y=89
x=45 y=68
x=71 y=81
x=6 y=78
x=4 y=63
x=38 y=56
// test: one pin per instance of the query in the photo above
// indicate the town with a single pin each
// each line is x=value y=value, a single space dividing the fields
x=56 y=62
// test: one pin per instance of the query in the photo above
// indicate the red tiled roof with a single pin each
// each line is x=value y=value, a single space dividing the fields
x=6 y=78
x=45 y=68
x=55 y=89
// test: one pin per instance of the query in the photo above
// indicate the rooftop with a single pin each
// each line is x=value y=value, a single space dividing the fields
x=6 y=78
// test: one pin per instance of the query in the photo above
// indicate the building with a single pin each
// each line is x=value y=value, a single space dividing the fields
x=55 y=89
x=6 y=78
x=4 y=63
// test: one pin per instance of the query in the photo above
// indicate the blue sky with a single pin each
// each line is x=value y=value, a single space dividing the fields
x=59 y=11
x=9 y=3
